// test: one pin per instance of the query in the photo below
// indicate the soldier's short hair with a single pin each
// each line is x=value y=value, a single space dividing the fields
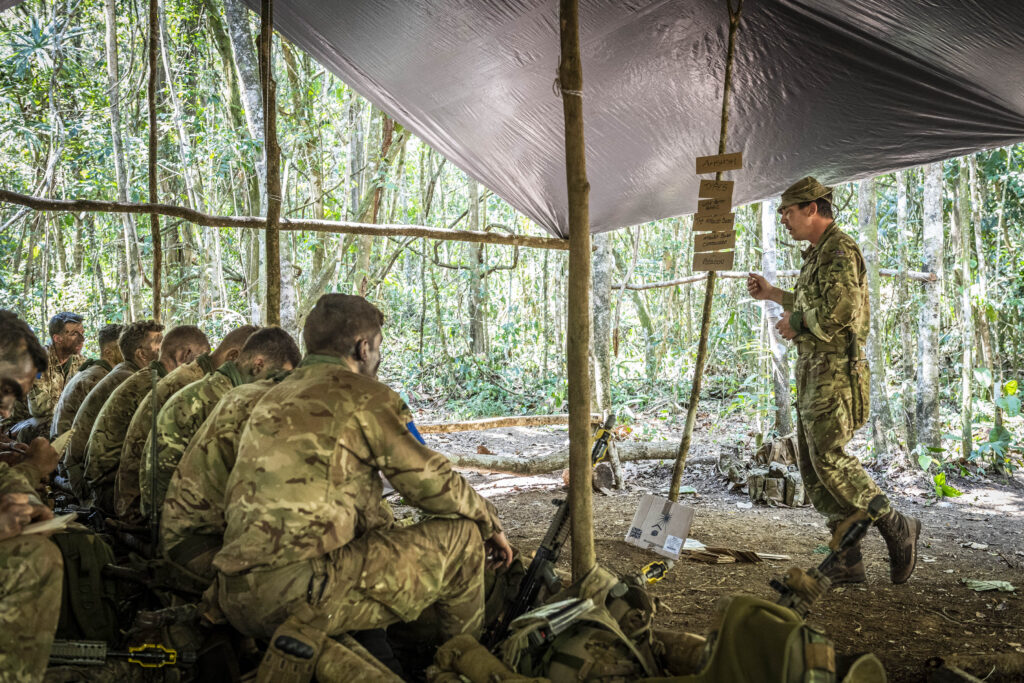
x=824 y=206
x=17 y=338
x=337 y=320
x=59 y=321
x=134 y=334
x=180 y=337
x=109 y=334
x=235 y=339
x=274 y=344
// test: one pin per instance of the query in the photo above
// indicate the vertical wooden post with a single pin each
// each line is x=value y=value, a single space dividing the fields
x=570 y=76
x=154 y=219
x=709 y=293
x=273 y=153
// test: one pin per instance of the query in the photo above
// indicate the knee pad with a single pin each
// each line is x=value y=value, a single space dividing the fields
x=295 y=648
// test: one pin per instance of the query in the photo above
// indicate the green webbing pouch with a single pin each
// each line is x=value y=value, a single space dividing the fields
x=88 y=607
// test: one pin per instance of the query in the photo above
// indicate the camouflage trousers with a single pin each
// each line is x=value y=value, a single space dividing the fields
x=834 y=480
x=31 y=578
x=381 y=578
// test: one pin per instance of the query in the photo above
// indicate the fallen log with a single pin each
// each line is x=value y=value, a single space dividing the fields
x=629 y=451
x=496 y=422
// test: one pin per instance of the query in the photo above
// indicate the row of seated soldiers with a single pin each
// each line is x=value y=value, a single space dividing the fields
x=263 y=470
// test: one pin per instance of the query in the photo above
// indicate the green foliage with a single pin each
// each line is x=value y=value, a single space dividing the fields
x=942 y=489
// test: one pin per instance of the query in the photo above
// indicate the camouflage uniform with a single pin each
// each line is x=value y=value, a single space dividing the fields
x=77 y=388
x=126 y=486
x=48 y=387
x=306 y=523
x=103 y=452
x=31 y=577
x=178 y=421
x=829 y=304
x=74 y=456
x=192 y=517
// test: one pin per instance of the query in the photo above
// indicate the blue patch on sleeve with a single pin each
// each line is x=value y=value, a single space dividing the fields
x=411 y=426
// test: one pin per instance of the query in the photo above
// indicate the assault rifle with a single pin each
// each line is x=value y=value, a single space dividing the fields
x=541 y=572
x=96 y=653
x=800 y=589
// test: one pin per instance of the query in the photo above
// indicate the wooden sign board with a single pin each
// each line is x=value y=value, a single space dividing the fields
x=710 y=206
x=716 y=189
x=720 y=162
x=713 y=260
x=715 y=221
x=714 y=241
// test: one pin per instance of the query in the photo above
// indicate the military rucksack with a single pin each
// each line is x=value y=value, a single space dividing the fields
x=88 y=607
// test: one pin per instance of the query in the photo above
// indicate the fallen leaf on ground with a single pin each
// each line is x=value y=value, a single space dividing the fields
x=981 y=585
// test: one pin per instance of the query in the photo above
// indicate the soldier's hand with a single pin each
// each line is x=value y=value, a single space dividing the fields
x=16 y=512
x=759 y=288
x=42 y=457
x=499 y=552
x=783 y=327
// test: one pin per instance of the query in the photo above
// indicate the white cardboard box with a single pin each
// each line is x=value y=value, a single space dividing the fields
x=660 y=525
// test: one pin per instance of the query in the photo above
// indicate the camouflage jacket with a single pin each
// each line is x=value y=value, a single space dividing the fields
x=19 y=479
x=831 y=295
x=178 y=421
x=74 y=456
x=75 y=391
x=49 y=385
x=126 y=486
x=307 y=479
x=103 y=453
x=193 y=509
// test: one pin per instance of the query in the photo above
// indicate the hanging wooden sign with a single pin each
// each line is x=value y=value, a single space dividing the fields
x=713 y=260
x=716 y=189
x=713 y=206
x=714 y=241
x=719 y=163
x=714 y=221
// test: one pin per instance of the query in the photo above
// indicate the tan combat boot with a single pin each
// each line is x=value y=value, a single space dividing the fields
x=847 y=568
x=900 y=534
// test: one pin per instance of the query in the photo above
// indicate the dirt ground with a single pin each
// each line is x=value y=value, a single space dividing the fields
x=933 y=615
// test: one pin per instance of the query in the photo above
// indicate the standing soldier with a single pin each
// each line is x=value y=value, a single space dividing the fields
x=827 y=317
x=306 y=527
x=88 y=376
x=139 y=344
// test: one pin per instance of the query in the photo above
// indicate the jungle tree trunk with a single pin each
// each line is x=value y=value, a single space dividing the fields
x=772 y=313
x=603 y=267
x=477 y=300
x=272 y=315
x=966 y=314
x=131 y=245
x=983 y=306
x=903 y=303
x=881 y=417
x=929 y=428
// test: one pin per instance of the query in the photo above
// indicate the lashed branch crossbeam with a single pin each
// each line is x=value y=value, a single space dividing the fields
x=260 y=223
x=917 y=275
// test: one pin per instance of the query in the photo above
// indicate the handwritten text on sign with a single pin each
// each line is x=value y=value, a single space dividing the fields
x=720 y=162
x=714 y=241
x=708 y=206
x=714 y=260
x=716 y=189
x=721 y=221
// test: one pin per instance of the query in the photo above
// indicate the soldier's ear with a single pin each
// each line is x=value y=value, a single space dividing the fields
x=362 y=349
x=232 y=354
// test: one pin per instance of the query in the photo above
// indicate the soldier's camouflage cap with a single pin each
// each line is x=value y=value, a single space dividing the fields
x=805 y=190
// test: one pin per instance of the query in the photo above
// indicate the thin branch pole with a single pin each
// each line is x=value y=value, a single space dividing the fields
x=709 y=294
x=919 y=276
x=154 y=219
x=259 y=223
x=570 y=76
x=273 y=153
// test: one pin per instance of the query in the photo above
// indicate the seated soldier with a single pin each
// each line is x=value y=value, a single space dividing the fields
x=306 y=526
x=266 y=351
x=192 y=516
x=67 y=335
x=30 y=566
x=139 y=344
x=88 y=376
x=126 y=487
x=103 y=450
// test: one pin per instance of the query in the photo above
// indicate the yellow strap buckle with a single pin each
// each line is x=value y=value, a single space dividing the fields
x=152 y=655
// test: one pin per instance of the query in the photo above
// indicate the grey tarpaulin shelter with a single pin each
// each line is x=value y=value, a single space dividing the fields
x=839 y=89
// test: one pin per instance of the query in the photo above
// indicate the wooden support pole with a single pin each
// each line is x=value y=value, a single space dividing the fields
x=709 y=294
x=570 y=76
x=260 y=223
x=154 y=219
x=272 y=316
x=919 y=276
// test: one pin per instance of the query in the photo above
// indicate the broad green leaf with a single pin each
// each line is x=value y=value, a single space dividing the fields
x=1011 y=405
x=1010 y=388
x=983 y=376
x=925 y=461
